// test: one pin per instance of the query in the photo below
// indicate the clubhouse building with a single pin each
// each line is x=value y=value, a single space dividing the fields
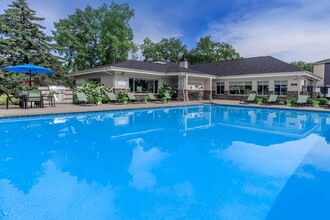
x=216 y=80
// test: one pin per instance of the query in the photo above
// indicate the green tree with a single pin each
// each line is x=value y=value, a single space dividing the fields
x=304 y=65
x=22 y=41
x=207 y=50
x=94 y=37
x=168 y=49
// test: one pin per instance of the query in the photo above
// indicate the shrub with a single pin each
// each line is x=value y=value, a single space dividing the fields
x=263 y=98
x=12 y=101
x=309 y=100
x=92 y=90
x=105 y=100
x=121 y=95
x=323 y=101
x=3 y=99
x=165 y=88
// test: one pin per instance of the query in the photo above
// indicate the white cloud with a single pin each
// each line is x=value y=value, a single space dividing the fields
x=289 y=33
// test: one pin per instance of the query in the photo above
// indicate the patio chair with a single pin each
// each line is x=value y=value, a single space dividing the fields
x=152 y=98
x=132 y=98
x=50 y=98
x=82 y=99
x=250 y=99
x=302 y=100
x=272 y=99
x=112 y=97
x=34 y=96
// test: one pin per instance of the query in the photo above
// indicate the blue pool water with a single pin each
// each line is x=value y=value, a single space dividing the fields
x=196 y=162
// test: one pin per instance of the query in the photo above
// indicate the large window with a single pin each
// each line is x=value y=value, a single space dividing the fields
x=143 y=85
x=263 y=87
x=281 y=87
x=220 y=88
x=240 y=88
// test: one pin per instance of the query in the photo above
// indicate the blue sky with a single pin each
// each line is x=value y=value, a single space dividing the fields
x=286 y=29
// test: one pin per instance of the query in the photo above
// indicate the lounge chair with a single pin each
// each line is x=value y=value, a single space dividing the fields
x=82 y=99
x=302 y=100
x=132 y=98
x=152 y=98
x=272 y=99
x=112 y=97
x=250 y=99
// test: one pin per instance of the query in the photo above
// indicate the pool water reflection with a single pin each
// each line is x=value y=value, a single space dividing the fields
x=197 y=162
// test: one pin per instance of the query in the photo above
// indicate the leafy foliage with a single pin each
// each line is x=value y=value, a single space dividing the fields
x=165 y=88
x=22 y=41
x=94 y=37
x=168 y=49
x=207 y=50
x=92 y=90
x=304 y=65
x=323 y=101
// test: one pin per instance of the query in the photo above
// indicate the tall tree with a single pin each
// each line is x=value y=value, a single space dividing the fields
x=94 y=37
x=22 y=39
x=207 y=50
x=168 y=49
x=304 y=65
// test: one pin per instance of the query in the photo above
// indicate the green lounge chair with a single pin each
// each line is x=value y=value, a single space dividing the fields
x=132 y=98
x=112 y=97
x=250 y=99
x=272 y=99
x=34 y=96
x=152 y=98
x=82 y=99
x=302 y=100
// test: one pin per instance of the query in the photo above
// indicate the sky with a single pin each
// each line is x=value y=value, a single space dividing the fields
x=289 y=30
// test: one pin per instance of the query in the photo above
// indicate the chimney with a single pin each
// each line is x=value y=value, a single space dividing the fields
x=183 y=62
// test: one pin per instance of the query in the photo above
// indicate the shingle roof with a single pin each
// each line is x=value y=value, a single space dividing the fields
x=243 y=66
x=322 y=61
x=254 y=65
x=157 y=67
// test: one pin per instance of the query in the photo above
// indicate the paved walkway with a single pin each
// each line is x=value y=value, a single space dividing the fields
x=67 y=108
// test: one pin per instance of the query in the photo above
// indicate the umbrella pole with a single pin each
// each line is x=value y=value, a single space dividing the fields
x=30 y=79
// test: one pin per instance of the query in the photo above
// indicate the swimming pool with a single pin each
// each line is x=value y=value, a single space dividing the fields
x=194 y=162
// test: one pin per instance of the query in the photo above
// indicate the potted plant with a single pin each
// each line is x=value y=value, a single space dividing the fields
x=164 y=99
x=99 y=101
x=145 y=100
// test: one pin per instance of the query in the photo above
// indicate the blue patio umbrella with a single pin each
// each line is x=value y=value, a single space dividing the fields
x=28 y=69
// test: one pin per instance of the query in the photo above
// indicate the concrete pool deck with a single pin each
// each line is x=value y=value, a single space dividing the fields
x=70 y=108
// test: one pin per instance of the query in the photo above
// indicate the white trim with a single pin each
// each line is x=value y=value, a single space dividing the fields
x=126 y=70
x=266 y=75
x=100 y=70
